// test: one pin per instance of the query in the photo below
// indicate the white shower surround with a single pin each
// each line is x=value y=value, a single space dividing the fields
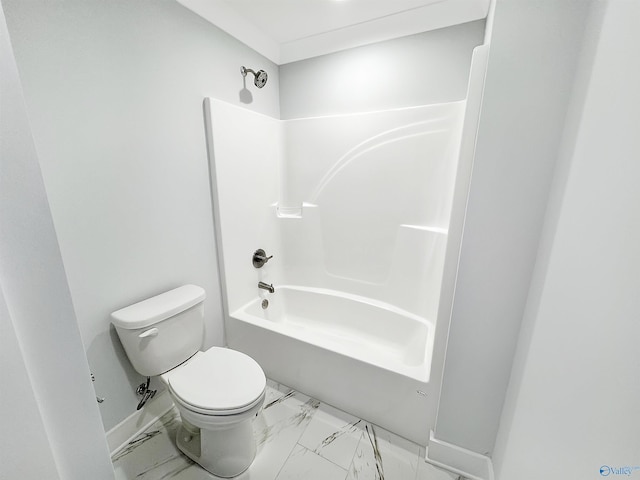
x=355 y=210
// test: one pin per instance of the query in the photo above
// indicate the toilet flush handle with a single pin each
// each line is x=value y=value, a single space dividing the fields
x=152 y=332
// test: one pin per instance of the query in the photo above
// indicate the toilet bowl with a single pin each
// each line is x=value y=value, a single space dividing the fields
x=218 y=392
x=222 y=408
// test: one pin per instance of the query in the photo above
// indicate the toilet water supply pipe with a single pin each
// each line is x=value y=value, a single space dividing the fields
x=143 y=389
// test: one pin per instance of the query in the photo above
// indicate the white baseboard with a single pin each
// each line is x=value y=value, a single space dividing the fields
x=120 y=435
x=459 y=460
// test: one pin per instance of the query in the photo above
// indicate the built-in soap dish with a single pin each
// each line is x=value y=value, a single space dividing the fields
x=292 y=211
x=289 y=212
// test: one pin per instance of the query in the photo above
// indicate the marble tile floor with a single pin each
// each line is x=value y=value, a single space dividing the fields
x=298 y=438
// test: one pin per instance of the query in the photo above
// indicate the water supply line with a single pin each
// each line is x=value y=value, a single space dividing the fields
x=98 y=399
x=143 y=389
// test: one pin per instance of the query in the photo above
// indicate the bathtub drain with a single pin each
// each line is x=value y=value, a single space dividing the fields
x=265 y=303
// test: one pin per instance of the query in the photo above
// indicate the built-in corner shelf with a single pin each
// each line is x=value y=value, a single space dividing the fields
x=426 y=228
x=292 y=211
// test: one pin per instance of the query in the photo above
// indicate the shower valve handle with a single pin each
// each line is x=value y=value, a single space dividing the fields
x=260 y=258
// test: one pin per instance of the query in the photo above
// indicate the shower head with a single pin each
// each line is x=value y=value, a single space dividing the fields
x=260 y=77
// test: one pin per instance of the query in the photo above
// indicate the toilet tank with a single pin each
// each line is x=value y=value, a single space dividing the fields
x=161 y=332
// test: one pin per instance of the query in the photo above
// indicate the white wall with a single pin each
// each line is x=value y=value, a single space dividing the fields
x=426 y=68
x=35 y=462
x=534 y=47
x=115 y=92
x=50 y=421
x=573 y=404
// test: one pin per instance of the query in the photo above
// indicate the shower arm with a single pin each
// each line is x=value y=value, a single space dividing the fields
x=244 y=70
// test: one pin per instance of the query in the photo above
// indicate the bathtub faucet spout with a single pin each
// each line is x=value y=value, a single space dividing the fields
x=266 y=286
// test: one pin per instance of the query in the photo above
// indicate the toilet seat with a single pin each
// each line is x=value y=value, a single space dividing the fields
x=218 y=382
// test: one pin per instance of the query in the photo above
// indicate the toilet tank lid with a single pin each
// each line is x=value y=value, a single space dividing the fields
x=158 y=308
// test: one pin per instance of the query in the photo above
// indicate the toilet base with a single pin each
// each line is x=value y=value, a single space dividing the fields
x=225 y=452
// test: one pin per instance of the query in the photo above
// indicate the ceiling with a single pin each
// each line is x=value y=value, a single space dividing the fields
x=285 y=31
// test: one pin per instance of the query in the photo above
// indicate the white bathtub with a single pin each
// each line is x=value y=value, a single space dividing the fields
x=357 y=327
x=363 y=356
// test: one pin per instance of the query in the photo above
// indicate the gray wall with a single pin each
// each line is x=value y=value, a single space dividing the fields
x=114 y=92
x=431 y=67
x=50 y=421
x=534 y=51
x=574 y=397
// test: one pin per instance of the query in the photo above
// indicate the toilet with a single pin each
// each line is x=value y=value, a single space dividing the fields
x=218 y=392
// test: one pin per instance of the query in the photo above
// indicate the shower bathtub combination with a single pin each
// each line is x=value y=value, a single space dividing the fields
x=340 y=348
x=353 y=216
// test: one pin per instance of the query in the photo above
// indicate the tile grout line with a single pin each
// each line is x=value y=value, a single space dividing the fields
x=299 y=436
x=322 y=457
x=353 y=457
x=285 y=462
